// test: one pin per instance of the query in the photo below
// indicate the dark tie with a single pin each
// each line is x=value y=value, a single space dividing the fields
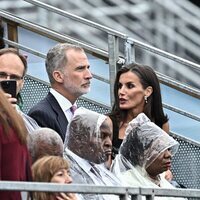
x=72 y=109
x=95 y=170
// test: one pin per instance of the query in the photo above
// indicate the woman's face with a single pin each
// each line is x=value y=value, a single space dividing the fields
x=161 y=164
x=61 y=176
x=131 y=93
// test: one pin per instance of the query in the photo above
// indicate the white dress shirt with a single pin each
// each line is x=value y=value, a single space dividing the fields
x=64 y=103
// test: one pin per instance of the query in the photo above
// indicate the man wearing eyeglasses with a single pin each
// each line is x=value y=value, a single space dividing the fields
x=13 y=65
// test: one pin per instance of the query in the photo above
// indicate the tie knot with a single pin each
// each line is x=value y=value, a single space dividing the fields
x=95 y=171
x=73 y=108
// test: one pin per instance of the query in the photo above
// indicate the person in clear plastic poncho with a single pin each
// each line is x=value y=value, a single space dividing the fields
x=87 y=146
x=144 y=155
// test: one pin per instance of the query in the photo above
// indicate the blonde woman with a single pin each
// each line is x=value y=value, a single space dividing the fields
x=52 y=169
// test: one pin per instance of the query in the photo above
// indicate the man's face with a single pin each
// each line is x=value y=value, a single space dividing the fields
x=92 y=147
x=11 y=65
x=76 y=75
x=103 y=146
x=106 y=133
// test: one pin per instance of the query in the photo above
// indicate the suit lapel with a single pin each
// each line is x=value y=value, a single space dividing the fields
x=59 y=114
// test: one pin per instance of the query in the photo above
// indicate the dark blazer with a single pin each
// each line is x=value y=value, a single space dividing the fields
x=48 y=113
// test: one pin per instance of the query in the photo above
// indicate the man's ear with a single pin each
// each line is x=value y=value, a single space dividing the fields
x=58 y=76
x=148 y=91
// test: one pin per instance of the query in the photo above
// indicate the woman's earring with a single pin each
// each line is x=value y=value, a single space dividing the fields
x=145 y=98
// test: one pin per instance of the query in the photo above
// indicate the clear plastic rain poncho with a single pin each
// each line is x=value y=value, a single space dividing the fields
x=29 y=122
x=83 y=135
x=144 y=142
x=83 y=147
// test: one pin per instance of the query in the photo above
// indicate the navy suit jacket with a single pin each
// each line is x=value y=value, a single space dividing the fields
x=48 y=113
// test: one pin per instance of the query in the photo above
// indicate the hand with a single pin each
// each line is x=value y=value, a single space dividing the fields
x=66 y=196
x=12 y=100
x=168 y=175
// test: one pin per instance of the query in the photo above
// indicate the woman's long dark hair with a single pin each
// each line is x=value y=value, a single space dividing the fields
x=153 y=108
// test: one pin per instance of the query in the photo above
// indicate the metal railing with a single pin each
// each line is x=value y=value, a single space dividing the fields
x=185 y=168
x=123 y=192
x=14 y=22
x=17 y=22
x=164 y=79
x=129 y=46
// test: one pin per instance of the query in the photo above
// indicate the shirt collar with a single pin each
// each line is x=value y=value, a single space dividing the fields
x=84 y=164
x=64 y=103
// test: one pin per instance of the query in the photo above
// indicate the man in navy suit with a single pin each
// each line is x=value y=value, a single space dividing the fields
x=68 y=70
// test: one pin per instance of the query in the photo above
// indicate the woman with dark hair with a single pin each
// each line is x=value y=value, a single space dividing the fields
x=136 y=90
x=14 y=157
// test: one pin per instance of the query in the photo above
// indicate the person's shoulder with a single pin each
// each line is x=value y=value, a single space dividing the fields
x=40 y=109
x=165 y=127
x=43 y=104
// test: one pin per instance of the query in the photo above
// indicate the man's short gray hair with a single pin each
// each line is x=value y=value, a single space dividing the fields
x=57 y=59
x=44 y=141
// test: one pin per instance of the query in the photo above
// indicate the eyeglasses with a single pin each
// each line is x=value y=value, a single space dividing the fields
x=4 y=75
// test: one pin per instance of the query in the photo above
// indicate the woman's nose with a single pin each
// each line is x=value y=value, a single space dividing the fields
x=121 y=90
x=68 y=179
x=168 y=154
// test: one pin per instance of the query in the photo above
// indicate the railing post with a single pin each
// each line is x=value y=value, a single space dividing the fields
x=124 y=197
x=148 y=193
x=136 y=197
x=113 y=52
x=150 y=197
x=12 y=32
x=129 y=51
